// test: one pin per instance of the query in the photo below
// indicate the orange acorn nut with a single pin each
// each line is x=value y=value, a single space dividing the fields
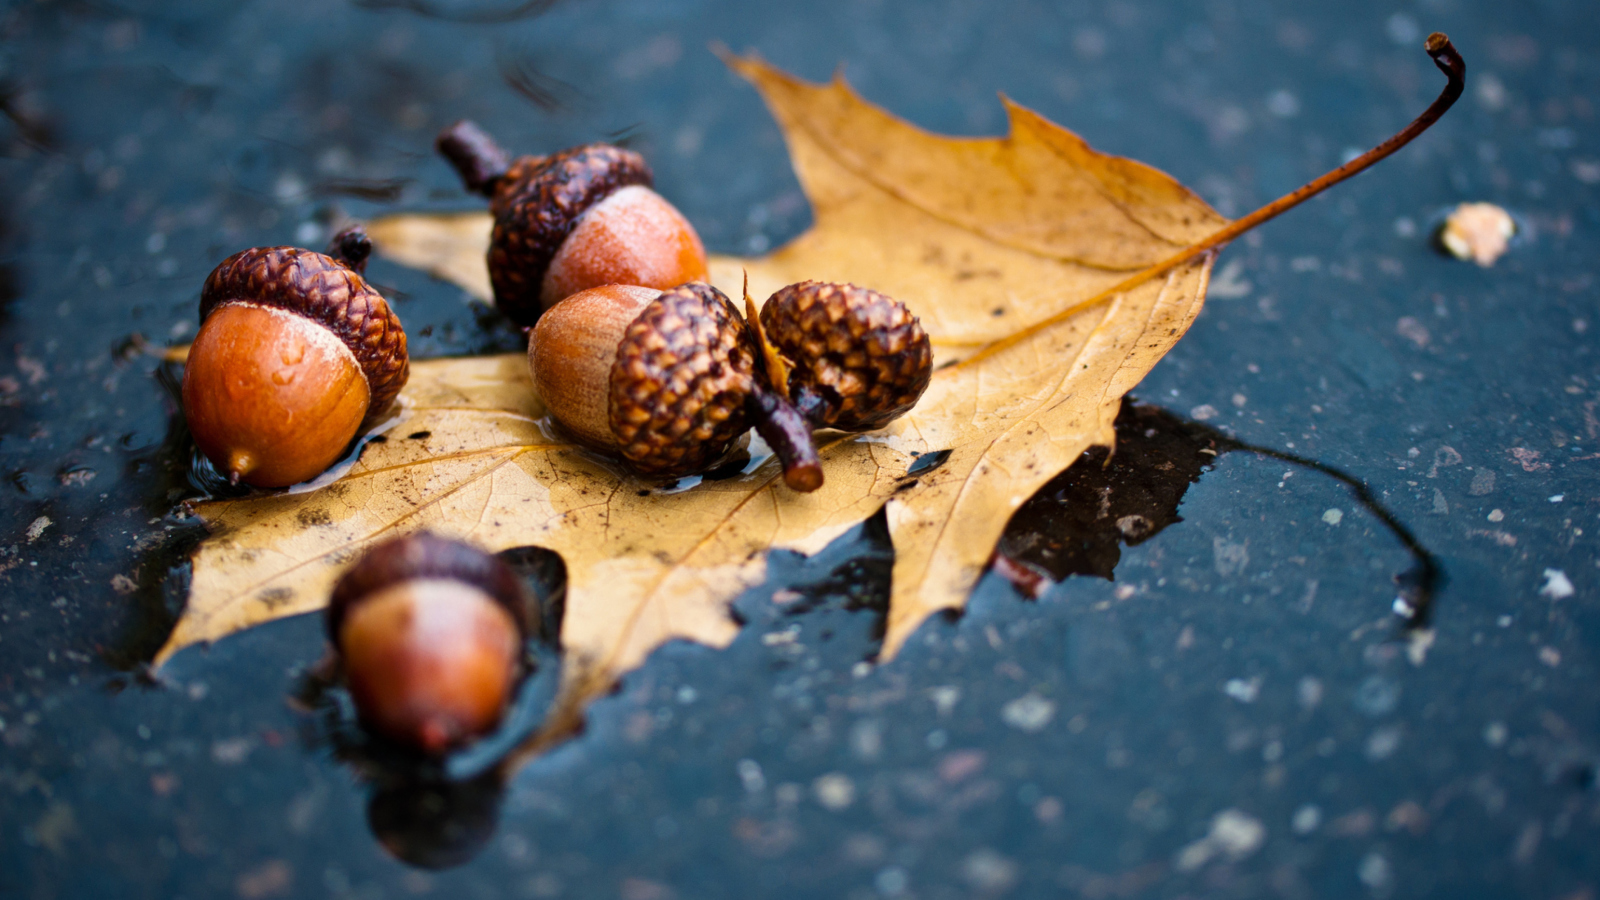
x=295 y=353
x=430 y=634
x=665 y=379
x=574 y=220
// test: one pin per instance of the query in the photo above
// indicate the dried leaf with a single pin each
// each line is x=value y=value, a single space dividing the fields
x=996 y=243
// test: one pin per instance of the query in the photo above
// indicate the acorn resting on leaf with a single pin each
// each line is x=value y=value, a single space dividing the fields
x=857 y=359
x=665 y=379
x=429 y=632
x=295 y=353
x=571 y=221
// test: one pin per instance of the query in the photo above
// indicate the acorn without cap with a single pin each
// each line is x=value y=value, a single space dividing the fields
x=665 y=379
x=570 y=221
x=857 y=359
x=430 y=633
x=295 y=353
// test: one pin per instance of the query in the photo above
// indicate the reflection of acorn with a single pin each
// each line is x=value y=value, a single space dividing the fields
x=430 y=634
x=857 y=358
x=666 y=379
x=570 y=221
x=435 y=823
x=295 y=353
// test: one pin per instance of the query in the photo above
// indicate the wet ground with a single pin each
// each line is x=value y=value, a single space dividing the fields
x=1192 y=683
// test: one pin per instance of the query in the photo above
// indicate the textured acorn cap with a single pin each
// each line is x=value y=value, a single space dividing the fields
x=328 y=292
x=536 y=204
x=426 y=556
x=683 y=373
x=858 y=358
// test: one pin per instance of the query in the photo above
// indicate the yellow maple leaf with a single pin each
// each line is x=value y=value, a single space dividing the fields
x=1016 y=252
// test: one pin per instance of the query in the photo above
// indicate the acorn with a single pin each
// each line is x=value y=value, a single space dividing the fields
x=295 y=353
x=571 y=221
x=665 y=379
x=856 y=359
x=430 y=633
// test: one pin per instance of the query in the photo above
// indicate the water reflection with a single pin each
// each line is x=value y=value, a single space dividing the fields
x=439 y=813
x=1078 y=523
x=436 y=823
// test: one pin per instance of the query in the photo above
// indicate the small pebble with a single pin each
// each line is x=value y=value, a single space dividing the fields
x=1243 y=690
x=1029 y=713
x=1309 y=692
x=945 y=698
x=835 y=791
x=751 y=777
x=892 y=881
x=1383 y=743
x=1557 y=586
x=1495 y=734
x=988 y=872
x=37 y=527
x=1234 y=834
x=1374 y=872
x=1480 y=232
x=1333 y=516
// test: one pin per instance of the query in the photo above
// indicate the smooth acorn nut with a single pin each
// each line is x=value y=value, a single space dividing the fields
x=429 y=632
x=664 y=379
x=857 y=359
x=574 y=220
x=295 y=353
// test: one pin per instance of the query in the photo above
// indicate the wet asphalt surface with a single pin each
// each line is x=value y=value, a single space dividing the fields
x=1208 y=695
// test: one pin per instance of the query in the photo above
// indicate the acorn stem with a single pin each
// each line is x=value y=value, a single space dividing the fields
x=351 y=246
x=479 y=160
x=788 y=433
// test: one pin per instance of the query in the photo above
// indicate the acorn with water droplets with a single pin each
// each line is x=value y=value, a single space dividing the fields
x=570 y=221
x=430 y=635
x=295 y=354
x=667 y=380
x=851 y=358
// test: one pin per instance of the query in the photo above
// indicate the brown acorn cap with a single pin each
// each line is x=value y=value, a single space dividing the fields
x=858 y=358
x=536 y=204
x=684 y=371
x=424 y=555
x=328 y=291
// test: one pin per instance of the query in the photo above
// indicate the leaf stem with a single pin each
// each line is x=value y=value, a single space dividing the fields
x=1449 y=62
x=1444 y=56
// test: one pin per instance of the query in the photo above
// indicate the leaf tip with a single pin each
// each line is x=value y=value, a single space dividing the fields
x=749 y=66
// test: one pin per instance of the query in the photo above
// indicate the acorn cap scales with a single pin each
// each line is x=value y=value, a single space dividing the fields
x=328 y=291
